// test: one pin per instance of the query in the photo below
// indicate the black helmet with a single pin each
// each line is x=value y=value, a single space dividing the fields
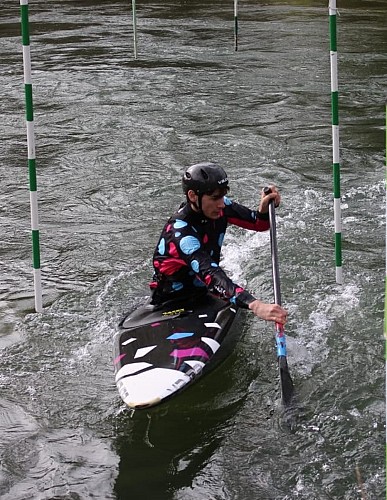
x=204 y=178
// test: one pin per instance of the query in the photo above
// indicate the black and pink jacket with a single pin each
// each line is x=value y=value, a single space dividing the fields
x=186 y=258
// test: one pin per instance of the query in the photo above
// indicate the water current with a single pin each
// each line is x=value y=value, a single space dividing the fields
x=113 y=134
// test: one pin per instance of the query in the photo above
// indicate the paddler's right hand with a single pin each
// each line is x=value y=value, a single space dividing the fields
x=273 y=194
x=269 y=312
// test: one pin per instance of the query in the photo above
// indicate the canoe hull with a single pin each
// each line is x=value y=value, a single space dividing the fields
x=159 y=351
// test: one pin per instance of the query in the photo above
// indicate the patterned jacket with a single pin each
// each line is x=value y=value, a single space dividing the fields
x=186 y=258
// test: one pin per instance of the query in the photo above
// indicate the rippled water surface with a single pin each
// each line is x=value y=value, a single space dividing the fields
x=112 y=136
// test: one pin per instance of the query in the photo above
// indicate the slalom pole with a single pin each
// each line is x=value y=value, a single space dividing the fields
x=134 y=27
x=31 y=154
x=335 y=139
x=385 y=293
x=236 y=25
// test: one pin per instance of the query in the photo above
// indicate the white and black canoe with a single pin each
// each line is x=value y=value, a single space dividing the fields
x=161 y=350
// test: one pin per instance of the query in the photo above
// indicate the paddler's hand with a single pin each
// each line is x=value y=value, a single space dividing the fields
x=269 y=312
x=265 y=199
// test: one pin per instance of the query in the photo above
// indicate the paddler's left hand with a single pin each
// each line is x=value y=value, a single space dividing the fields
x=265 y=199
x=269 y=312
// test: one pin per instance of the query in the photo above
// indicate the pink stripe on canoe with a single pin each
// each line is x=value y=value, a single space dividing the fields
x=187 y=353
x=118 y=358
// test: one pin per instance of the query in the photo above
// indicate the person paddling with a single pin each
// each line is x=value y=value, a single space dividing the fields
x=187 y=255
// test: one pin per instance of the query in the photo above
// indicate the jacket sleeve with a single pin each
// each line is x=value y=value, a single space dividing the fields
x=241 y=216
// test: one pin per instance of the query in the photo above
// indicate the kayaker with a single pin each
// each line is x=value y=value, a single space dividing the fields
x=186 y=258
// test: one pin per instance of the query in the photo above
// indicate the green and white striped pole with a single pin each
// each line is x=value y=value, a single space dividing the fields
x=31 y=155
x=335 y=140
x=134 y=13
x=236 y=24
x=385 y=291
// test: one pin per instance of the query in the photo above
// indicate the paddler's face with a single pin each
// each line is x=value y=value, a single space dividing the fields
x=212 y=204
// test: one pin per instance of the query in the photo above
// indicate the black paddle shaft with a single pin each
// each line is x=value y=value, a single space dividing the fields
x=286 y=383
x=274 y=250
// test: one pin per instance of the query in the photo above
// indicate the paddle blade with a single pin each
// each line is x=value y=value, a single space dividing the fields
x=286 y=382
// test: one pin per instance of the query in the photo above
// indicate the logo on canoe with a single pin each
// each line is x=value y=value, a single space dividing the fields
x=173 y=313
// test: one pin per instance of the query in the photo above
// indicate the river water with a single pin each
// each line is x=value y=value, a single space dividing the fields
x=112 y=136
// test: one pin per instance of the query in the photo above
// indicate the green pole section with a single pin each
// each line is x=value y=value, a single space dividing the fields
x=385 y=291
x=236 y=24
x=335 y=140
x=31 y=155
x=134 y=27
x=385 y=295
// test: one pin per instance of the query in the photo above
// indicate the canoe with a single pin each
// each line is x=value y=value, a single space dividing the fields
x=161 y=350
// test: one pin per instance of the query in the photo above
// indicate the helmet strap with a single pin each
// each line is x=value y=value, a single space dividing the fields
x=197 y=205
